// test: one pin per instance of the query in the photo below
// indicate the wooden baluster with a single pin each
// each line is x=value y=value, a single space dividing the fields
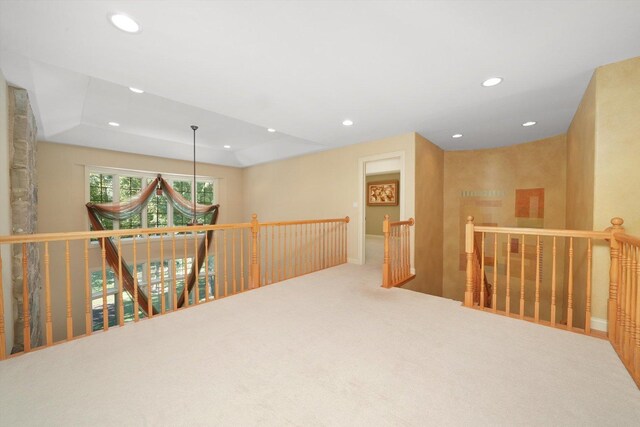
x=255 y=267
x=3 y=337
x=149 y=293
x=26 y=316
x=507 y=310
x=273 y=251
x=285 y=254
x=47 y=293
x=242 y=259
x=494 y=296
x=537 y=303
x=136 y=307
x=587 y=316
x=627 y=303
x=346 y=238
x=105 y=307
x=207 y=284
x=174 y=274
x=224 y=261
x=636 y=352
x=386 y=266
x=216 y=266
x=482 y=272
x=408 y=243
x=185 y=270
x=570 y=288
x=522 y=249
x=88 y=317
x=633 y=308
x=196 y=283
x=468 y=247
x=335 y=243
x=162 y=301
x=120 y=295
x=613 y=279
x=233 y=259
x=621 y=295
x=553 y=282
x=279 y=252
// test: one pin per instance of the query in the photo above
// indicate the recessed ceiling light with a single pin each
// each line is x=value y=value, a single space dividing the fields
x=348 y=122
x=114 y=124
x=124 y=23
x=492 y=81
x=457 y=135
x=271 y=130
x=135 y=90
x=527 y=124
x=227 y=146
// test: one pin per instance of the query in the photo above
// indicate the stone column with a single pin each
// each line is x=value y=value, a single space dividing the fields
x=24 y=213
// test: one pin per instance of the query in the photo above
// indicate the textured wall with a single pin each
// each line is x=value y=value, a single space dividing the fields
x=375 y=214
x=429 y=217
x=24 y=213
x=484 y=183
x=617 y=155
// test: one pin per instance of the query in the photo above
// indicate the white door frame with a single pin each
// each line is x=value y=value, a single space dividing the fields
x=362 y=197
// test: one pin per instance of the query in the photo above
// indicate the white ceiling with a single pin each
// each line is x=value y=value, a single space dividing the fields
x=235 y=68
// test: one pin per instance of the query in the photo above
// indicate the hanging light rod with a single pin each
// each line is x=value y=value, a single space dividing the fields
x=194 y=220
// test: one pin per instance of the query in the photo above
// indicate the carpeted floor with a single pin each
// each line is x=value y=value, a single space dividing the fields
x=330 y=348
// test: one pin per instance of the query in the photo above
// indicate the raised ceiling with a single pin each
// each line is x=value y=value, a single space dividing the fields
x=237 y=68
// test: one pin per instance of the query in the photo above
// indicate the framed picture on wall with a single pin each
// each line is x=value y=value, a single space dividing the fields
x=383 y=193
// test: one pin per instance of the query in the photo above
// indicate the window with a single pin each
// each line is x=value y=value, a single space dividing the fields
x=118 y=185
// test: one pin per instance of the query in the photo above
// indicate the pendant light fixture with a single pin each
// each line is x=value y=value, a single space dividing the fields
x=194 y=221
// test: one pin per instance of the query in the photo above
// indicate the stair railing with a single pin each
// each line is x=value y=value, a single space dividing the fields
x=396 y=267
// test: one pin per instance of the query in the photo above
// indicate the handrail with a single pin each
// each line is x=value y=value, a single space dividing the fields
x=396 y=268
x=237 y=258
x=544 y=232
x=80 y=235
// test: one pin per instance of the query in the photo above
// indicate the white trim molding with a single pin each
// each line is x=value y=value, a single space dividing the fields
x=599 y=324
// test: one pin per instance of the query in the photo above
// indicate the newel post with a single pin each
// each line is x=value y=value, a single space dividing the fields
x=614 y=271
x=254 y=274
x=468 y=248
x=386 y=266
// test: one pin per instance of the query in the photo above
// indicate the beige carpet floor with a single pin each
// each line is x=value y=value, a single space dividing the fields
x=330 y=348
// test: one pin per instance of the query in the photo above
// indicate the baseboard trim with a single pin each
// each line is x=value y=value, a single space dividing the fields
x=599 y=324
x=353 y=261
x=374 y=236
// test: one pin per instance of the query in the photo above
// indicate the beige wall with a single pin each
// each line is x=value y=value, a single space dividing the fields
x=617 y=155
x=483 y=183
x=375 y=214
x=5 y=210
x=429 y=217
x=324 y=185
x=62 y=197
x=580 y=186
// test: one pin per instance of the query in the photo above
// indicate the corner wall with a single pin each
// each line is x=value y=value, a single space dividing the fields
x=429 y=217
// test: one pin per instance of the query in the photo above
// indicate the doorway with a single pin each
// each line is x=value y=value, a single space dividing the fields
x=382 y=167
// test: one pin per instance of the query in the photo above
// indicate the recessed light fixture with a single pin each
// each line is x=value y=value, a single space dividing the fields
x=114 y=124
x=227 y=146
x=135 y=90
x=457 y=135
x=492 y=81
x=271 y=130
x=347 y=122
x=124 y=23
x=527 y=124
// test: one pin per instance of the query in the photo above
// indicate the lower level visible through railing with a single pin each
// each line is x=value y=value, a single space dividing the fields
x=76 y=292
x=396 y=267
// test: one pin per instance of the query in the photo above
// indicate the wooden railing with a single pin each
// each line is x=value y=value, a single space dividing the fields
x=624 y=302
x=560 y=294
x=396 y=267
x=80 y=294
